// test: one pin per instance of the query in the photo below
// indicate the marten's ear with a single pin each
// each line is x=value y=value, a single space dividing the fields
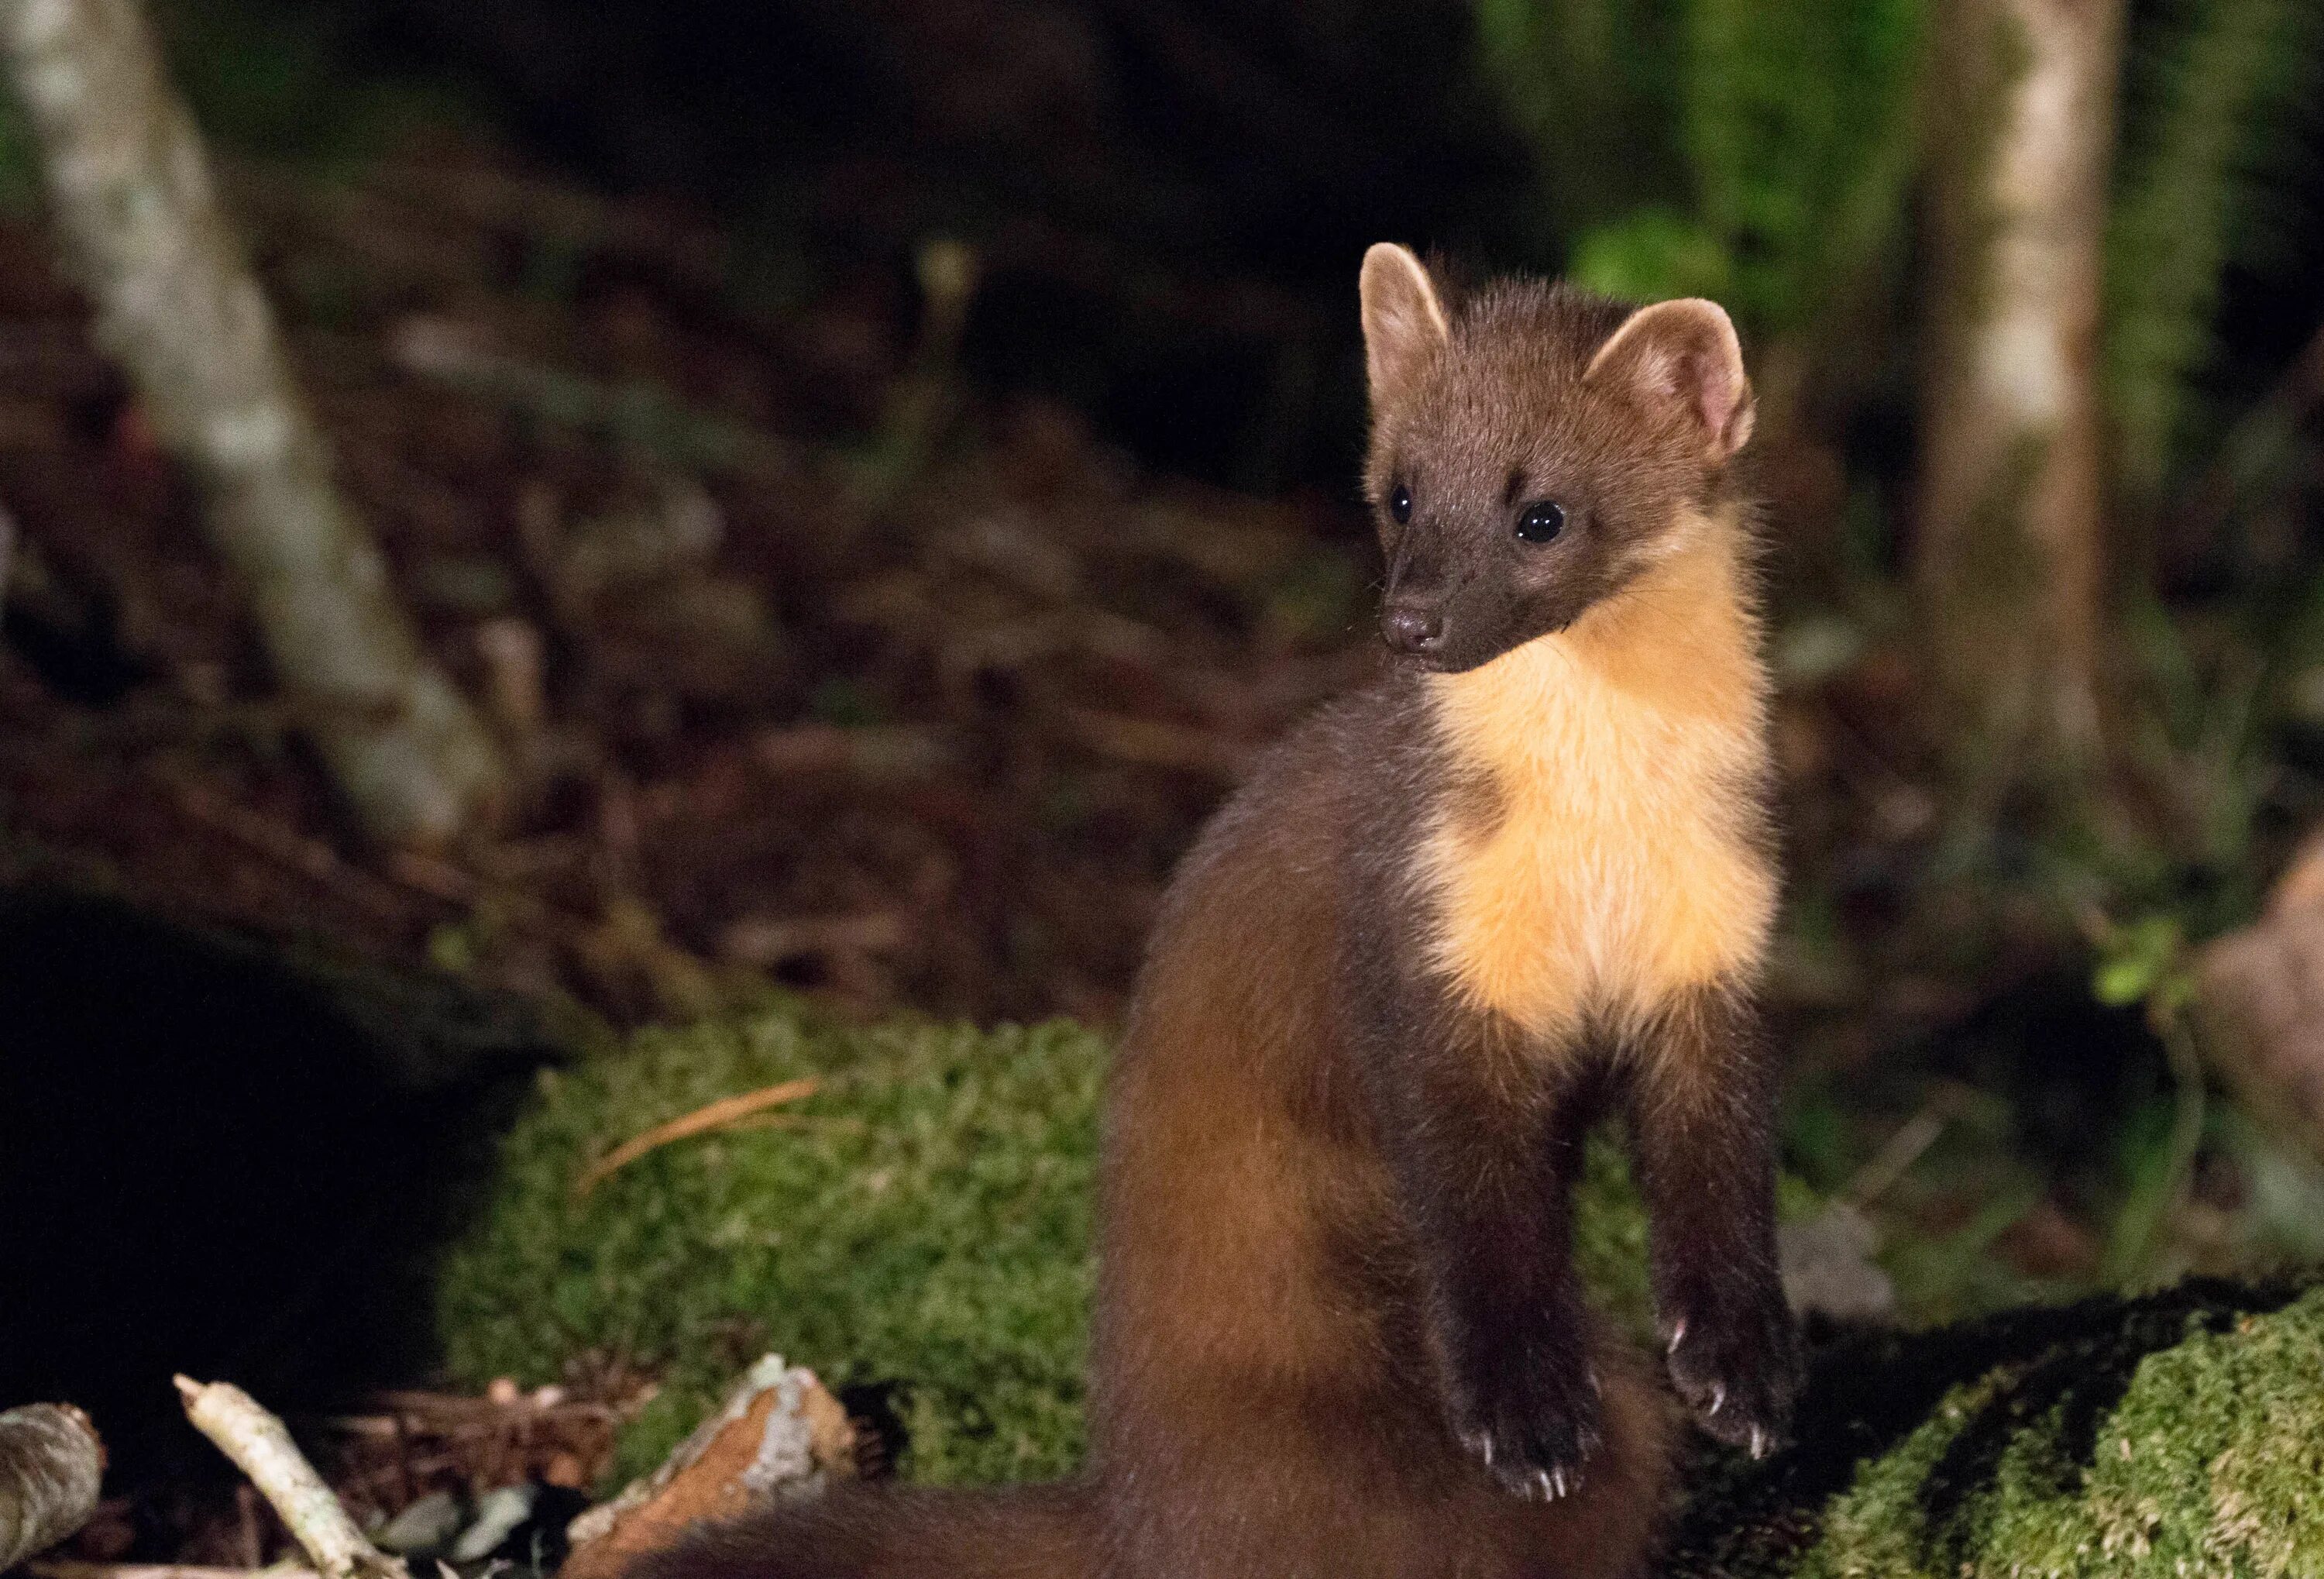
x=1404 y=322
x=1684 y=352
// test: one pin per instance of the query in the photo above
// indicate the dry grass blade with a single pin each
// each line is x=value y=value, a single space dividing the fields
x=701 y=1120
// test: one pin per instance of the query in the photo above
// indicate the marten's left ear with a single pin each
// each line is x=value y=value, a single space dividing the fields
x=1686 y=352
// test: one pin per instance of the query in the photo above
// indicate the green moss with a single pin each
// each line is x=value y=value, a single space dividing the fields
x=2212 y=1462
x=1609 y=1239
x=2178 y=1435
x=922 y=1221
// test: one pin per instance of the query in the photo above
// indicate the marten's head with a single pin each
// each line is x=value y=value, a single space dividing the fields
x=1534 y=449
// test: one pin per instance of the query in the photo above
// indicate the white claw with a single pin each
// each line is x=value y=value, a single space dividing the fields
x=1678 y=1335
x=1758 y=1442
x=1717 y=1396
x=1556 y=1483
x=1547 y=1483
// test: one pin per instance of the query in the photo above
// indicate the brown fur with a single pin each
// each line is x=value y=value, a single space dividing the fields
x=1520 y=884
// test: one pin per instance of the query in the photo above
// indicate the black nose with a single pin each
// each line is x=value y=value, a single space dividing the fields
x=1412 y=630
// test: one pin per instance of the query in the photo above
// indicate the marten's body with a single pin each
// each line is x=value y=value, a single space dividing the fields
x=1521 y=884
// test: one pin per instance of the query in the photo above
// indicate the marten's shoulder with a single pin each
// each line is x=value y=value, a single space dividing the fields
x=1343 y=784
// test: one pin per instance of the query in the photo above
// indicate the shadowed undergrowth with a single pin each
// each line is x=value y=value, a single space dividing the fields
x=2181 y=1433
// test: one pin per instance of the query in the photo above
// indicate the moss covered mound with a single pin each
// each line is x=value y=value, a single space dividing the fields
x=923 y=1220
x=2181 y=1435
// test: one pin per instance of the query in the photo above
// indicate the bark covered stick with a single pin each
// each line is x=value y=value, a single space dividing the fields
x=142 y=232
x=65 y=1568
x=781 y=1433
x=260 y=1445
x=51 y=1464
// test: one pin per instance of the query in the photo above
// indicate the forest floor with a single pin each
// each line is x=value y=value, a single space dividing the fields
x=813 y=667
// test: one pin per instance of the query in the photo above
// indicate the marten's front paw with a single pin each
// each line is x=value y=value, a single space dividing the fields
x=1737 y=1367
x=1533 y=1427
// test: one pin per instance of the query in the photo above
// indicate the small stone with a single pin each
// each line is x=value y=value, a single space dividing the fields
x=498 y=1513
x=424 y=1527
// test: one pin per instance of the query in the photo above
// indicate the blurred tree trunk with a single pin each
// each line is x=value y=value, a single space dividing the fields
x=2011 y=549
x=142 y=233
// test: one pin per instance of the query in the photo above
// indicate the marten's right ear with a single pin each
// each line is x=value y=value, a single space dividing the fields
x=1404 y=322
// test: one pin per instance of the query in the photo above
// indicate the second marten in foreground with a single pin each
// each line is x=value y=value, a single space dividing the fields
x=1522 y=882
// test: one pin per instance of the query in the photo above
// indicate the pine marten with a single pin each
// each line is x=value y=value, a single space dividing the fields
x=1522 y=881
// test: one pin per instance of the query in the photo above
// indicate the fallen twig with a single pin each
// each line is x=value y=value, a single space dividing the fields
x=702 y=1120
x=64 y=1568
x=650 y=417
x=769 y=940
x=260 y=1445
x=50 y=1463
x=451 y=1412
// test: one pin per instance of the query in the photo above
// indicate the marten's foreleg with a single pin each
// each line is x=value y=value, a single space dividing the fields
x=1485 y=1152
x=1701 y=1122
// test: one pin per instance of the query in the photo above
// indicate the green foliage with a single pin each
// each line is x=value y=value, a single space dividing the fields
x=1799 y=127
x=922 y=1220
x=2212 y=81
x=1593 y=86
x=2201 y=728
x=2142 y=960
x=1651 y=252
x=1753 y=149
x=19 y=169
x=1948 y=1275
x=291 y=81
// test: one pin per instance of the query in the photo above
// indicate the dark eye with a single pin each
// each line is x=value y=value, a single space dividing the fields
x=1540 y=521
x=1399 y=503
